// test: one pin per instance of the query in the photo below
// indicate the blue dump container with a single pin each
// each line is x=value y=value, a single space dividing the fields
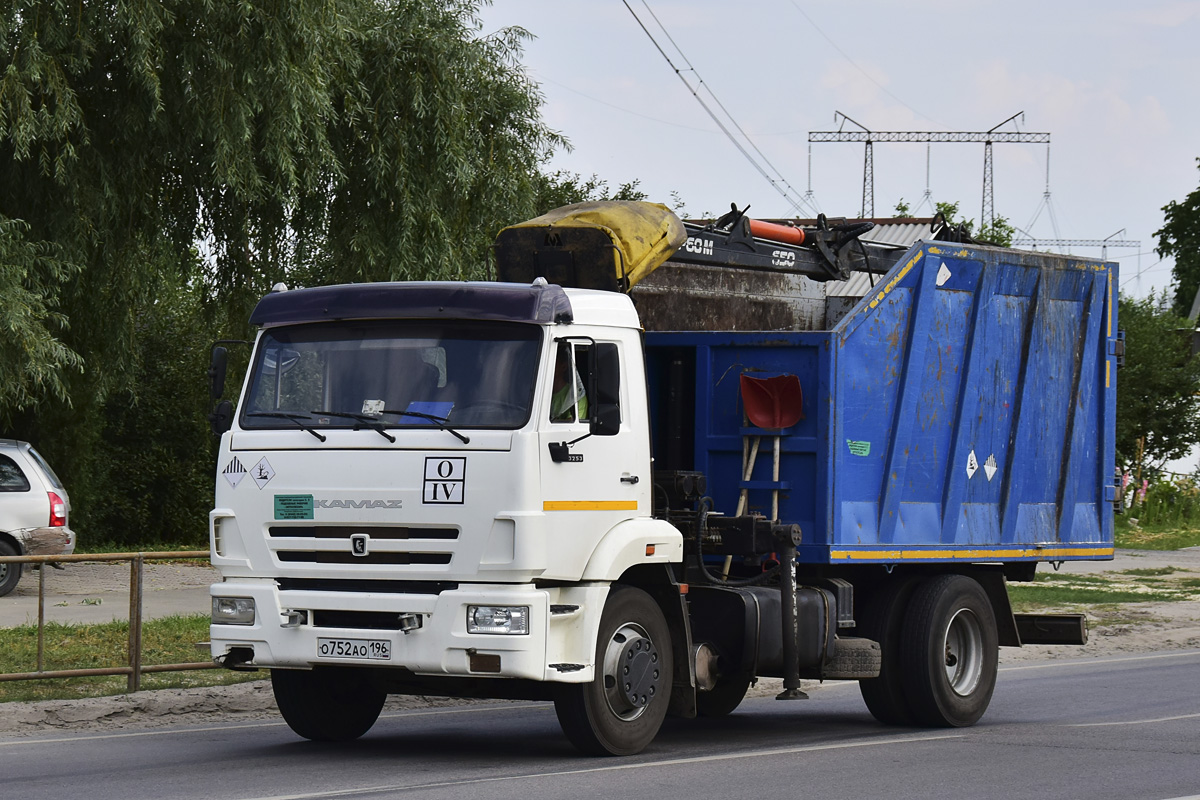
x=964 y=410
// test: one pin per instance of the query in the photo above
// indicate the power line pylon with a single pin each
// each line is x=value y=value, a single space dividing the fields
x=869 y=137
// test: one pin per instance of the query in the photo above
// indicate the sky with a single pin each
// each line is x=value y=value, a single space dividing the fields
x=1114 y=83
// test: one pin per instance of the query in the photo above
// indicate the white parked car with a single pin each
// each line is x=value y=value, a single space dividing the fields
x=33 y=510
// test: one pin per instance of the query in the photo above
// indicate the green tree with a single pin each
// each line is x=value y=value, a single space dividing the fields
x=998 y=232
x=561 y=188
x=1158 y=412
x=164 y=162
x=301 y=140
x=1180 y=237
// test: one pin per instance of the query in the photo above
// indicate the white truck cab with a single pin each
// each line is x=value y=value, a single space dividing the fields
x=434 y=481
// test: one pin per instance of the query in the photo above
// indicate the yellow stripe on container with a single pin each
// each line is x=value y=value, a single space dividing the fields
x=589 y=505
x=1048 y=553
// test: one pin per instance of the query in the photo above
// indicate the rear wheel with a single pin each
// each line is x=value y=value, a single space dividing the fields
x=883 y=622
x=726 y=696
x=621 y=709
x=950 y=652
x=327 y=704
x=9 y=573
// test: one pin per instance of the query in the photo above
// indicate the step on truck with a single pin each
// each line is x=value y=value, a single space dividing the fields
x=509 y=489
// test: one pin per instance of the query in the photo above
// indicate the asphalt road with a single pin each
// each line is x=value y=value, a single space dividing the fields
x=1124 y=728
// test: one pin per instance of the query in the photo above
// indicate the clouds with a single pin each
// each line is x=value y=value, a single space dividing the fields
x=1114 y=84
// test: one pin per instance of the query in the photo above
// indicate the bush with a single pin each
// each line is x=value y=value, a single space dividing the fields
x=1168 y=503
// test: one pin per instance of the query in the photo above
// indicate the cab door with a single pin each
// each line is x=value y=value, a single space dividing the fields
x=595 y=448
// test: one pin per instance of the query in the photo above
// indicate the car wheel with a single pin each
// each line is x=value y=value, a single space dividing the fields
x=9 y=573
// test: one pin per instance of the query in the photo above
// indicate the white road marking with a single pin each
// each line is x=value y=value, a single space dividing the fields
x=1131 y=721
x=671 y=762
x=1076 y=662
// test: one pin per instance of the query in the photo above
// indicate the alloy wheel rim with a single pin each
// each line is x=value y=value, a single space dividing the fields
x=963 y=649
x=632 y=672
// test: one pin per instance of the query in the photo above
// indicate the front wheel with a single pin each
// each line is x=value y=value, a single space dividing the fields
x=950 y=652
x=621 y=709
x=327 y=704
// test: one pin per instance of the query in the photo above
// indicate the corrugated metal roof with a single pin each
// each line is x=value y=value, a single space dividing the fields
x=901 y=232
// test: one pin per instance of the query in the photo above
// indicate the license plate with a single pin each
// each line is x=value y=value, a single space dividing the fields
x=371 y=649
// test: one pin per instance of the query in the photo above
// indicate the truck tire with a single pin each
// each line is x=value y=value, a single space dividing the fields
x=883 y=621
x=9 y=573
x=950 y=652
x=621 y=709
x=327 y=704
x=726 y=696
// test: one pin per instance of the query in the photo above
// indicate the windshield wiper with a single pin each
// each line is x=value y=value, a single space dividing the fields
x=436 y=420
x=371 y=423
x=296 y=418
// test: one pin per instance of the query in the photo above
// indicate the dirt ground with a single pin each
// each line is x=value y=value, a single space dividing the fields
x=1115 y=630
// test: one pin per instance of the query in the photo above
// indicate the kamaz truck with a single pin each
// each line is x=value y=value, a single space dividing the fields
x=510 y=489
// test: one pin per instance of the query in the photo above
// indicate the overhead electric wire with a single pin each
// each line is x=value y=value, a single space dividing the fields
x=627 y=110
x=789 y=193
x=854 y=64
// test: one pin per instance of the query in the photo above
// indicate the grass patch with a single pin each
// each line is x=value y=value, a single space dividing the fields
x=1026 y=598
x=1067 y=577
x=1154 y=537
x=169 y=640
x=1150 y=572
x=1057 y=590
x=93 y=548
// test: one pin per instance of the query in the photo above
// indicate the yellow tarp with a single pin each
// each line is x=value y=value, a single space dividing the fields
x=643 y=235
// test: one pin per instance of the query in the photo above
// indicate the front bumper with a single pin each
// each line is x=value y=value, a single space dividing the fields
x=559 y=647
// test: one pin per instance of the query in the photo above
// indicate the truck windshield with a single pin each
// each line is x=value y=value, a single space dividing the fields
x=398 y=374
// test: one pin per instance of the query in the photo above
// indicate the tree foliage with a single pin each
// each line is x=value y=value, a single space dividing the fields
x=300 y=140
x=1180 y=237
x=563 y=188
x=164 y=162
x=999 y=232
x=1158 y=412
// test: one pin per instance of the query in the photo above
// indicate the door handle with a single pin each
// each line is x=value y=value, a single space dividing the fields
x=630 y=479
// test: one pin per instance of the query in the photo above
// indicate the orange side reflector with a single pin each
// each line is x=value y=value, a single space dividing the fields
x=683 y=588
x=649 y=549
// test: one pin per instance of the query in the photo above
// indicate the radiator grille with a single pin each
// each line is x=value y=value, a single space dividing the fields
x=345 y=531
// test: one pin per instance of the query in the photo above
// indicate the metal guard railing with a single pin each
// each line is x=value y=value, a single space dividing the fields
x=135 y=668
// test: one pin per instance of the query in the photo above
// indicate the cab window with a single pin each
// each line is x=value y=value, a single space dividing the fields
x=568 y=398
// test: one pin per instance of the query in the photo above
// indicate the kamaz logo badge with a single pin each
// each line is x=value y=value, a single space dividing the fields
x=358 y=503
x=360 y=544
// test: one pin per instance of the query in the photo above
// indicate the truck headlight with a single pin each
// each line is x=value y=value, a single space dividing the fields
x=498 y=619
x=233 y=610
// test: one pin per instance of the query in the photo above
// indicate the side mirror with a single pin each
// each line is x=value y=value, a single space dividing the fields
x=216 y=372
x=221 y=418
x=604 y=375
